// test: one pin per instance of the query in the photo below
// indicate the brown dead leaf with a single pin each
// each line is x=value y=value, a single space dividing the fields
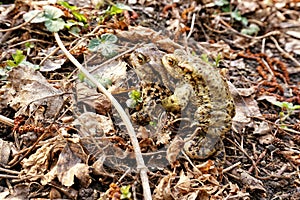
x=30 y=90
x=92 y=124
x=69 y=166
x=262 y=129
x=249 y=181
x=146 y=35
x=38 y=163
x=5 y=151
x=184 y=184
x=174 y=150
x=246 y=106
x=163 y=189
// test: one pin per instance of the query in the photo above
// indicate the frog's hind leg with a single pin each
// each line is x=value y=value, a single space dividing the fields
x=205 y=146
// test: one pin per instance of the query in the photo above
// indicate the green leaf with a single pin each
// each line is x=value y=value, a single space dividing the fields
x=29 y=45
x=135 y=95
x=94 y=45
x=11 y=63
x=251 y=30
x=67 y=5
x=236 y=15
x=118 y=8
x=204 y=57
x=123 y=7
x=125 y=192
x=38 y=19
x=79 y=16
x=296 y=107
x=244 y=21
x=277 y=103
x=81 y=76
x=55 y=25
x=18 y=57
x=75 y=30
x=108 y=50
x=221 y=2
x=31 y=65
x=109 y=38
x=52 y=12
x=105 y=45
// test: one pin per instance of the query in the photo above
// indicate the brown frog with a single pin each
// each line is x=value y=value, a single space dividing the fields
x=201 y=84
x=189 y=81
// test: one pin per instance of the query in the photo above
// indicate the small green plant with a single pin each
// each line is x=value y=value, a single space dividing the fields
x=117 y=9
x=251 y=30
x=18 y=58
x=134 y=98
x=125 y=192
x=216 y=62
x=287 y=109
x=106 y=44
x=238 y=17
x=74 y=10
x=50 y=16
x=105 y=82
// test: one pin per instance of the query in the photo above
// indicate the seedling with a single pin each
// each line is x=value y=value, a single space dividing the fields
x=135 y=98
x=105 y=44
x=125 y=192
x=287 y=109
x=18 y=57
x=50 y=16
x=117 y=9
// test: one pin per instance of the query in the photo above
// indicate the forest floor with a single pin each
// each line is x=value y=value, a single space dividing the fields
x=63 y=137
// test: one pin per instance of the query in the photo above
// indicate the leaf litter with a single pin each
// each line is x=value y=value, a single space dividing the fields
x=69 y=142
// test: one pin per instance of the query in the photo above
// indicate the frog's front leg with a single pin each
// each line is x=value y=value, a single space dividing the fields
x=179 y=100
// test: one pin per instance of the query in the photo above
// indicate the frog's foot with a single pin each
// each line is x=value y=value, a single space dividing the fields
x=141 y=118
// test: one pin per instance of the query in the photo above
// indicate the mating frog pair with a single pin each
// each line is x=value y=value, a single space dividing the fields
x=187 y=80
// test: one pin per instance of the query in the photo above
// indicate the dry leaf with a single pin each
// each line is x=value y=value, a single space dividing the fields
x=92 y=124
x=5 y=151
x=30 y=90
x=69 y=166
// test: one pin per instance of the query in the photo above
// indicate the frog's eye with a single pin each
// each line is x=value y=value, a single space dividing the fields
x=171 y=62
x=141 y=58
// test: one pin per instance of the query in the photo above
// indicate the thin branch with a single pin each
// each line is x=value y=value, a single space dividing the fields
x=21 y=25
x=6 y=120
x=141 y=167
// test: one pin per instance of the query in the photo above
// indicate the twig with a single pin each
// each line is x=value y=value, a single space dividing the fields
x=141 y=167
x=192 y=26
x=248 y=36
x=285 y=53
x=6 y=121
x=231 y=167
x=21 y=25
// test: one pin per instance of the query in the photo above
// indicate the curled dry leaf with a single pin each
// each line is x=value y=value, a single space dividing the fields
x=37 y=164
x=174 y=149
x=91 y=97
x=143 y=34
x=92 y=124
x=184 y=183
x=30 y=90
x=5 y=151
x=249 y=181
x=246 y=106
x=70 y=164
x=163 y=189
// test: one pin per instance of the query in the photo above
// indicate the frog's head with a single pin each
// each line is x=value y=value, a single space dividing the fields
x=176 y=64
